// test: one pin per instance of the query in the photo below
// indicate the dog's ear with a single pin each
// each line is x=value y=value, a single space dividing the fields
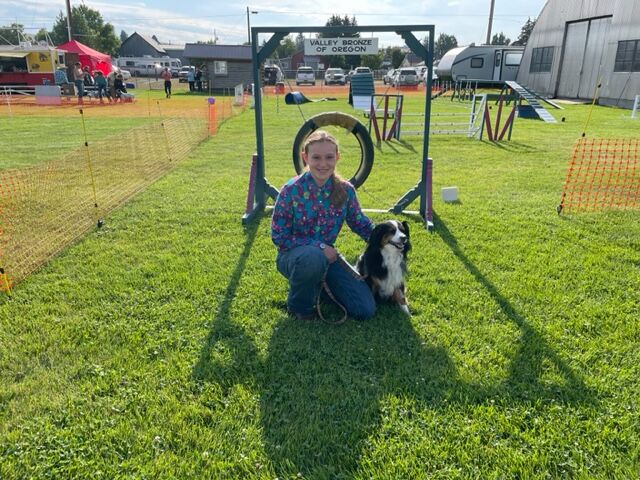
x=375 y=240
x=405 y=225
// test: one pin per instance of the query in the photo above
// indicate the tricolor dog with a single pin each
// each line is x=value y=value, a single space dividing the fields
x=384 y=262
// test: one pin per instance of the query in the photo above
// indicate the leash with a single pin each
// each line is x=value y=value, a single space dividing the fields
x=342 y=262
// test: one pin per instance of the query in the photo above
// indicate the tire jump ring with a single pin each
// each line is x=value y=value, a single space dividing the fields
x=341 y=120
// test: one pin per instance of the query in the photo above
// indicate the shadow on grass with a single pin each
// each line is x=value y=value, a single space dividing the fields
x=323 y=389
x=228 y=333
x=512 y=146
x=524 y=380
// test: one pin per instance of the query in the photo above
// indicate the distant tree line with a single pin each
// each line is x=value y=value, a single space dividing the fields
x=88 y=27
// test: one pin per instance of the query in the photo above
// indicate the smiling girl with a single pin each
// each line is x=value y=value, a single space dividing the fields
x=308 y=216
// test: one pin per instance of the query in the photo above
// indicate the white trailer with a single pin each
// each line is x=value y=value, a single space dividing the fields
x=148 y=66
x=488 y=63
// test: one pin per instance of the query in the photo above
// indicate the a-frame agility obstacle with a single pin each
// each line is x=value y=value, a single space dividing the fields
x=262 y=189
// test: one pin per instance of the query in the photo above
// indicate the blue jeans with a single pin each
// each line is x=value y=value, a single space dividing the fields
x=101 y=91
x=305 y=266
x=80 y=87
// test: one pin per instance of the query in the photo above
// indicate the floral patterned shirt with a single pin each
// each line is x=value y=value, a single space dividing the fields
x=304 y=215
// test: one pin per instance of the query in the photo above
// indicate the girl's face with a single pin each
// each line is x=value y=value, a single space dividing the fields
x=321 y=160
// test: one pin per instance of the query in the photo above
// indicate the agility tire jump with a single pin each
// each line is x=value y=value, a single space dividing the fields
x=348 y=122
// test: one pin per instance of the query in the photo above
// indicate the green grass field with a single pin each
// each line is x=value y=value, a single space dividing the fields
x=159 y=346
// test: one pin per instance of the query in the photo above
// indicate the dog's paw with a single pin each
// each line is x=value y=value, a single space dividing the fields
x=405 y=309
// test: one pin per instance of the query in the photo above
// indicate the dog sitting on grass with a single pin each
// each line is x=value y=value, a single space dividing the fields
x=384 y=262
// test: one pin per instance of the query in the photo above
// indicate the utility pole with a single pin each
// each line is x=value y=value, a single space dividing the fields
x=69 y=19
x=249 y=12
x=493 y=2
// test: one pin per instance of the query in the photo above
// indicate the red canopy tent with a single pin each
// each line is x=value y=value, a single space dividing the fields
x=88 y=56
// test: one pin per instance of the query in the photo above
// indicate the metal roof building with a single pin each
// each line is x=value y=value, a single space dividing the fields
x=225 y=66
x=577 y=44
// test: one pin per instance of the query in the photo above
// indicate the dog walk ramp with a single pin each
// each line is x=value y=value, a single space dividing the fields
x=532 y=99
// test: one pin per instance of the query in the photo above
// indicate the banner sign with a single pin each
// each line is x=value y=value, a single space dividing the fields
x=340 y=46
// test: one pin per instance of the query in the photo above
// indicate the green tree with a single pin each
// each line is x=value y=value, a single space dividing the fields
x=500 y=39
x=397 y=55
x=88 y=27
x=525 y=32
x=286 y=48
x=123 y=36
x=41 y=35
x=11 y=34
x=372 y=61
x=443 y=44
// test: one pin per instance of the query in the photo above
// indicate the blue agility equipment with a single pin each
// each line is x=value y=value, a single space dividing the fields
x=298 y=98
x=295 y=98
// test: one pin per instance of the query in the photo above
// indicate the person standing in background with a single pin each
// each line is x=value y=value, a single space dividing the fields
x=78 y=79
x=166 y=75
x=199 y=79
x=191 y=78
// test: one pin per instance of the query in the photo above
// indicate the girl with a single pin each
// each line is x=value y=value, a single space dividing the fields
x=308 y=216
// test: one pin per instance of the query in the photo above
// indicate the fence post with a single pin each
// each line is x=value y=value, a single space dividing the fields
x=213 y=124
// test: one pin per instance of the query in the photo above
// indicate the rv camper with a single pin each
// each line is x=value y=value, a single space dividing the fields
x=487 y=63
x=148 y=66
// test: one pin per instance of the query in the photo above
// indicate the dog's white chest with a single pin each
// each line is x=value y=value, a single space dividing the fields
x=392 y=260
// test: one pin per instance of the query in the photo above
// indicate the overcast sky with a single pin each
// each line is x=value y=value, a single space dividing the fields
x=174 y=21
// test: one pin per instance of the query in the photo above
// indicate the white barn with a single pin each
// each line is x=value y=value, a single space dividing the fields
x=578 y=43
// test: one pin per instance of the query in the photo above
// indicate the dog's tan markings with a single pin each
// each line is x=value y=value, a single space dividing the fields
x=398 y=297
x=385 y=240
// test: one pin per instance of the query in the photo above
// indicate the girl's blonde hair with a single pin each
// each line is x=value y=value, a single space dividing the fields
x=338 y=192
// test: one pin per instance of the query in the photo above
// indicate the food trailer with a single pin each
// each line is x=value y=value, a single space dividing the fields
x=28 y=64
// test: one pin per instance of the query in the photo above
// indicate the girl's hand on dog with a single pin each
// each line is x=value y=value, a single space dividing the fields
x=331 y=253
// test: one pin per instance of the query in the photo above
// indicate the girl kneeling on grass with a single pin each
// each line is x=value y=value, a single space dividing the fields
x=307 y=219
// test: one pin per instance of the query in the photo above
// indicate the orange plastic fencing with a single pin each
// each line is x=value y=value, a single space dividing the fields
x=602 y=174
x=45 y=207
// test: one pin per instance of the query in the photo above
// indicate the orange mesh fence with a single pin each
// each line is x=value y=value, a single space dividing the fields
x=602 y=174
x=46 y=206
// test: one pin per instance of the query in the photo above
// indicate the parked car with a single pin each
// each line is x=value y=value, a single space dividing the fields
x=305 y=75
x=184 y=72
x=334 y=75
x=362 y=70
x=388 y=77
x=405 y=76
x=349 y=75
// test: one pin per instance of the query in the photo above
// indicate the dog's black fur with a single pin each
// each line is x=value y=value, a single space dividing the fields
x=384 y=262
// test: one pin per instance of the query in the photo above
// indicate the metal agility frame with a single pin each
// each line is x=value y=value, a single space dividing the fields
x=263 y=189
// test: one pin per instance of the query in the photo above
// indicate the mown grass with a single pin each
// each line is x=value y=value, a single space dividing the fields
x=31 y=134
x=159 y=346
